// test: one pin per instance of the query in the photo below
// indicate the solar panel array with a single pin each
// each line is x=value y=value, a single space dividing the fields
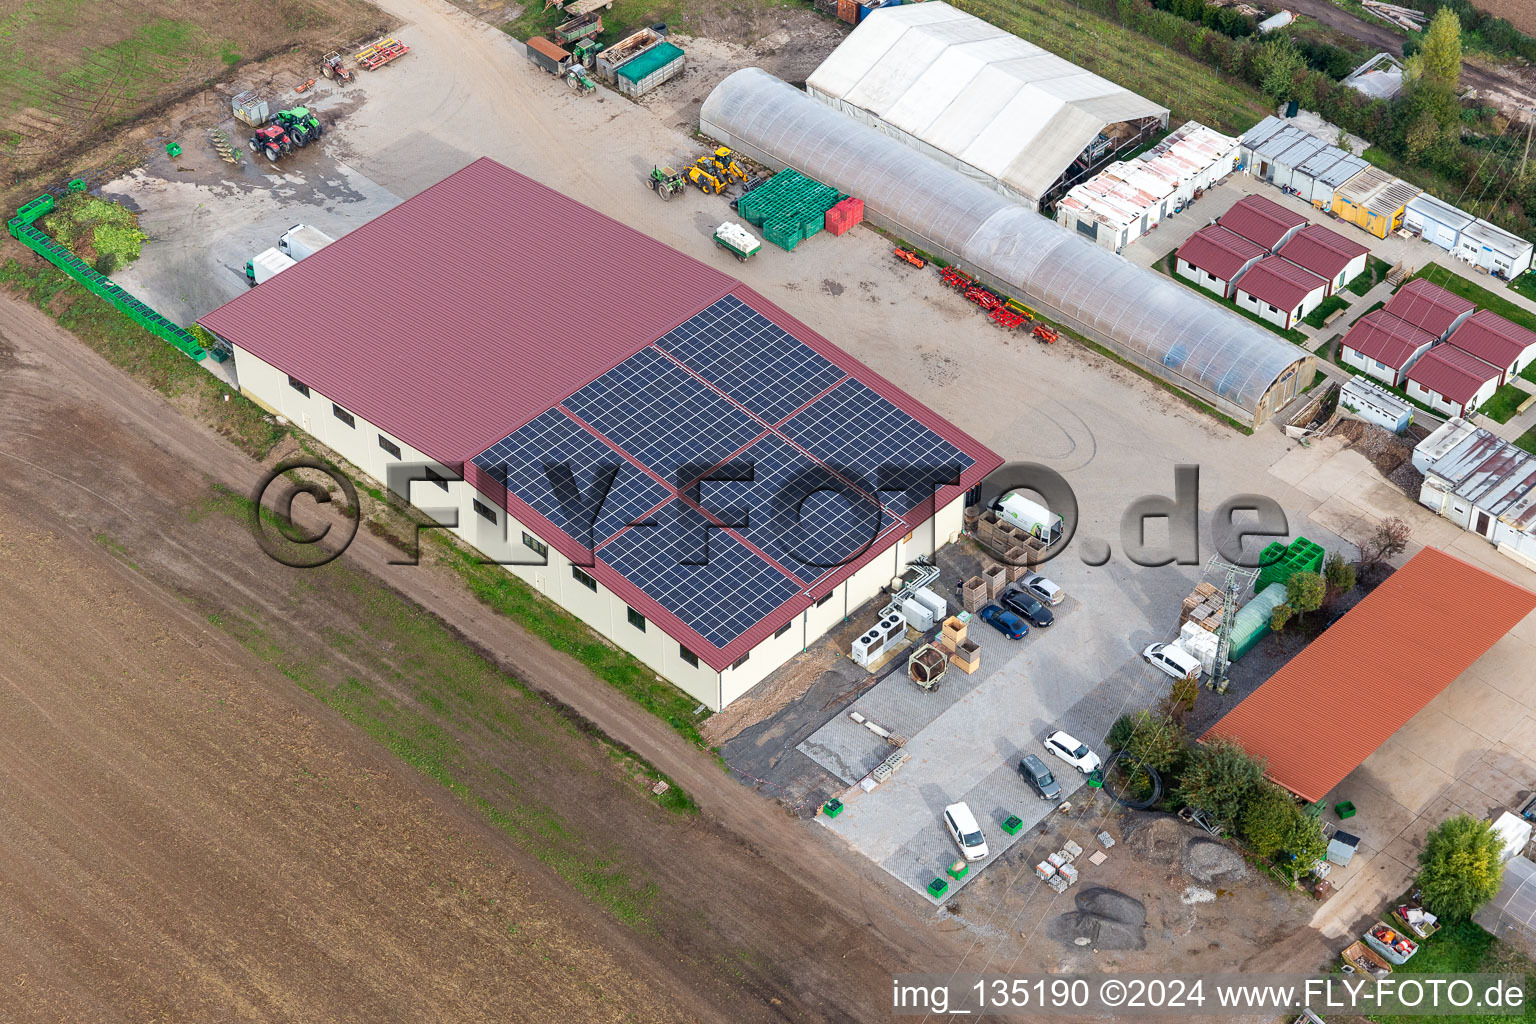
x=828 y=460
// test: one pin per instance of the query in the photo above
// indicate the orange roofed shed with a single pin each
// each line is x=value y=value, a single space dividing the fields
x=1332 y=705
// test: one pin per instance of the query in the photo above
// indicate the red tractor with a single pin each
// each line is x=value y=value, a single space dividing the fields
x=272 y=140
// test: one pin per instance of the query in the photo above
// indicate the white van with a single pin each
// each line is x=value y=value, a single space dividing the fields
x=1174 y=660
x=966 y=833
x=1030 y=516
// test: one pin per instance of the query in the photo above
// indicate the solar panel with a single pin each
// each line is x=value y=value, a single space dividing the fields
x=800 y=515
x=662 y=415
x=874 y=444
x=750 y=358
x=522 y=462
x=720 y=600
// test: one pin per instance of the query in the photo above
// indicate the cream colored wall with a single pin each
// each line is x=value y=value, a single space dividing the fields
x=603 y=611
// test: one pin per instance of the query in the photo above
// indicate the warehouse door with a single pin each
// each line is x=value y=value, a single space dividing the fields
x=1482 y=524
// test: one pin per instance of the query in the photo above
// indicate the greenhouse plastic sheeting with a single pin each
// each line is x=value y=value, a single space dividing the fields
x=1512 y=914
x=973 y=96
x=1252 y=622
x=1160 y=325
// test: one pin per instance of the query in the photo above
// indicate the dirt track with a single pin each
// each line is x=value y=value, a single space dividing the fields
x=181 y=840
x=1509 y=90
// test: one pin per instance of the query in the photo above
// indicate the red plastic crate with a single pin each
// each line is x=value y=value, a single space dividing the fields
x=842 y=217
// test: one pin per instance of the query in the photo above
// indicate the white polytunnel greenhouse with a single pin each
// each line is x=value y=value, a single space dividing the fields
x=1146 y=318
x=1511 y=916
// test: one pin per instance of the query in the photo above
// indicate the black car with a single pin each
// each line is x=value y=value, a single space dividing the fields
x=1039 y=777
x=1023 y=603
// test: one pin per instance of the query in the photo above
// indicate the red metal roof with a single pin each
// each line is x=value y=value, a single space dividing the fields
x=1384 y=337
x=466 y=311
x=1428 y=306
x=1492 y=338
x=1447 y=370
x=1219 y=252
x=1260 y=220
x=1279 y=282
x=1325 y=253
x=1332 y=705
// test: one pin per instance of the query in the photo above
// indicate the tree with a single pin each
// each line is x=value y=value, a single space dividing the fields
x=1266 y=820
x=1342 y=142
x=1422 y=135
x=1179 y=700
x=1280 y=616
x=1440 y=54
x=1304 y=843
x=1340 y=573
x=1304 y=592
x=1460 y=867
x=1219 y=778
x=1156 y=741
x=1389 y=541
x=1276 y=63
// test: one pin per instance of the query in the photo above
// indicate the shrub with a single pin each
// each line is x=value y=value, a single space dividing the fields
x=1304 y=592
x=1280 y=616
x=1219 y=778
x=1340 y=573
x=1266 y=820
x=1179 y=701
x=1460 y=866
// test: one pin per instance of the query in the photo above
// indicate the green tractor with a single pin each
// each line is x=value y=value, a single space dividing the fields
x=665 y=182
x=302 y=126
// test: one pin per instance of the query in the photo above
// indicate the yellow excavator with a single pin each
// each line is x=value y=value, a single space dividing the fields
x=702 y=174
x=726 y=166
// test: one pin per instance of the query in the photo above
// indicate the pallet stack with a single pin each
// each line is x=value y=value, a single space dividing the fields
x=1202 y=607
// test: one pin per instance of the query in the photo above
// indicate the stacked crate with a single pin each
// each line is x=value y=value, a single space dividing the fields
x=974 y=594
x=1203 y=607
x=844 y=216
x=1281 y=562
x=997 y=578
x=789 y=207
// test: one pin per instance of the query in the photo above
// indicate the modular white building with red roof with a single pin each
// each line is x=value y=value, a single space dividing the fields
x=1384 y=347
x=1496 y=340
x=1452 y=381
x=1216 y=258
x=705 y=481
x=1279 y=291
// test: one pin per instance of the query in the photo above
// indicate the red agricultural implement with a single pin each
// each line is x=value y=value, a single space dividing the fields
x=1046 y=333
x=983 y=298
x=955 y=278
x=380 y=52
x=911 y=257
x=1006 y=318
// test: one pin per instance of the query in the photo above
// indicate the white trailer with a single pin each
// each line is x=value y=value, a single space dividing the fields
x=266 y=265
x=302 y=240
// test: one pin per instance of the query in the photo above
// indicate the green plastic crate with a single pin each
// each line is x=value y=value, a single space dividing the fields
x=958 y=870
x=783 y=233
x=1012 y=824
x=832 y=808
x=938 y=887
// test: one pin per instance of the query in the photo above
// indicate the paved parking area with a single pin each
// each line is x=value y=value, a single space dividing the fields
x=1079 y=674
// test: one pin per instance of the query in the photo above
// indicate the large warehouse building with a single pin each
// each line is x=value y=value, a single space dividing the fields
x=1160 y=325
x=706 y=482
x=998 y=109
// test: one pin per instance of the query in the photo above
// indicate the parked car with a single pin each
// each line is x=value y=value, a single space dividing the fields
x=1073 y=752
x=1042 y=588
x=1024 y=604
x=1004 y=621
x=1172 y=659
x=1039 y=777
x=965 y=832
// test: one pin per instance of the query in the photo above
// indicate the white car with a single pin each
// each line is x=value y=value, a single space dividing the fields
x=1174 y=660
x=1072 y=751
x=965 y=832
x=1043 y=589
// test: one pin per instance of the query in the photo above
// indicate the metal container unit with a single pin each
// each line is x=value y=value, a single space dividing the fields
x=656 y=66
x=547 y=56
x=251 y=109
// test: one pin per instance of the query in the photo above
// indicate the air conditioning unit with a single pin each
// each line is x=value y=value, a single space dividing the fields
x=881 y=637
x=933 y=602
x=918 y=615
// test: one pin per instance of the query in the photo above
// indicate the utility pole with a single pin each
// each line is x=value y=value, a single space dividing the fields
x=1236 y=579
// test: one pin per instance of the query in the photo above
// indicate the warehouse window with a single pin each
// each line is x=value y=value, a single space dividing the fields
x=389 y=446
x=299 y=386
x=741 y=660
x=484 y=511
x=532 y=543
x=782 y=630
x=584 y=579
x=636 y=619
x=342 y=415
x=441 y=481
x=823 y=600
x=687 y=656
